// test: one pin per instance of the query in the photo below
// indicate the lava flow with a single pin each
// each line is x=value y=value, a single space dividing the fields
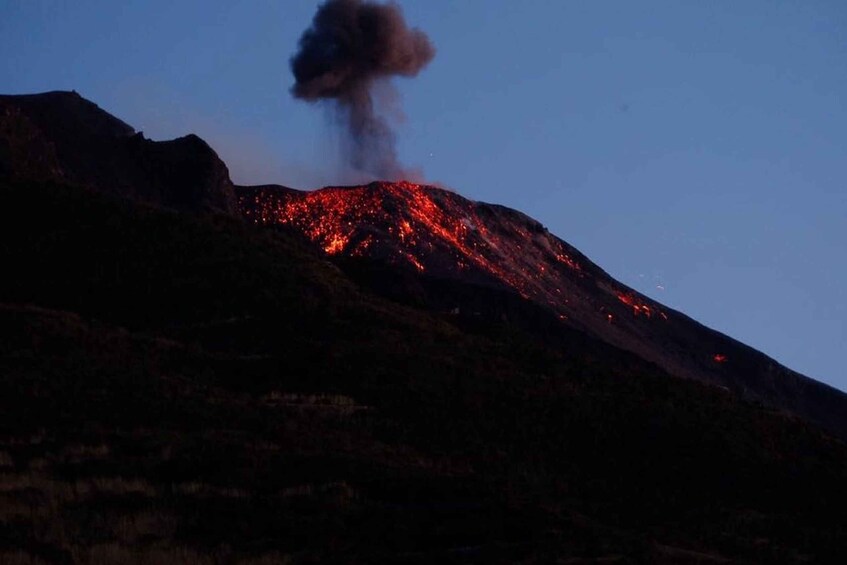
x=416 y=225
x=438 y=232
x=639 y=307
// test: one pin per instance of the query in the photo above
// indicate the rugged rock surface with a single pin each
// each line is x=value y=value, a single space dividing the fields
x=60 y=136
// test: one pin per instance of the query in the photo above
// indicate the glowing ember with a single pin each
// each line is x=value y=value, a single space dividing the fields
x=335 y=244
x=562 y=258
x=413 y=260
x=719 y=358
x=638 y=307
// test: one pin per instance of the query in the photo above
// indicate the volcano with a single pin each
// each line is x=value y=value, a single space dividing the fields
x=441 y=236
x=193 y=371
x=411 y=242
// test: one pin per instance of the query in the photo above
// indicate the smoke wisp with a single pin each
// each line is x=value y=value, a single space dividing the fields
x=352 y=48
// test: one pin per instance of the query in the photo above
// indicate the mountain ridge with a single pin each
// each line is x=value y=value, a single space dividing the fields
x=52 y=136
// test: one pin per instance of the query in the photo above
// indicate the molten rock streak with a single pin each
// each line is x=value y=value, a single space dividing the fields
x=351 y=47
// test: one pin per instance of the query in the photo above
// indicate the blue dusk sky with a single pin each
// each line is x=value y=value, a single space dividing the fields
x=697 y=151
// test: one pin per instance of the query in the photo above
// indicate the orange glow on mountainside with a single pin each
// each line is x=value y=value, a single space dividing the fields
x=638 y=308
x=335 y=217
x=436 y=231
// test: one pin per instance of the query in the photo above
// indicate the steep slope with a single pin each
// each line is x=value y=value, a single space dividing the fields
x=439 y=234
x=60 y=136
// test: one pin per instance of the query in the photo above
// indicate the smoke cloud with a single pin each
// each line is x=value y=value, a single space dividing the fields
x=351 y=51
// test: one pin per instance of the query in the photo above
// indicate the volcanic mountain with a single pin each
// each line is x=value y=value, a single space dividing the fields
x=442 y=236
x=410 y=242
x=192 y=371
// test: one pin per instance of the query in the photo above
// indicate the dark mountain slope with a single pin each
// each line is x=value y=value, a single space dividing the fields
x=60 y=136
x=449 y=242
x=179 y=388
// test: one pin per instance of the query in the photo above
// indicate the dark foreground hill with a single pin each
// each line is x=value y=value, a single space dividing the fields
x=190 y=388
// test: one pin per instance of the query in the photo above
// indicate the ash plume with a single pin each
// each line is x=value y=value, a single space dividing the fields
x=351 y=50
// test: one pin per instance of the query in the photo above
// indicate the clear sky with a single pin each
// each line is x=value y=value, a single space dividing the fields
x=695 y=150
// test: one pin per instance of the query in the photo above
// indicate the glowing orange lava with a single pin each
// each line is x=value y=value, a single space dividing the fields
x=638 y=307
x=719 y=358
x=413 y=224
x=436 y=231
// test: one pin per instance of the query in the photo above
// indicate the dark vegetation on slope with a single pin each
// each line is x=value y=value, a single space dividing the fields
x=179 y=388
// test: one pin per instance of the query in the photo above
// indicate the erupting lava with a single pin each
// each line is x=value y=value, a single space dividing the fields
x=403 y=222
x=438 y=232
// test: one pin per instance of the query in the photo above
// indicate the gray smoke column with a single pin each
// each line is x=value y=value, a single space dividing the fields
x=353 y=47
